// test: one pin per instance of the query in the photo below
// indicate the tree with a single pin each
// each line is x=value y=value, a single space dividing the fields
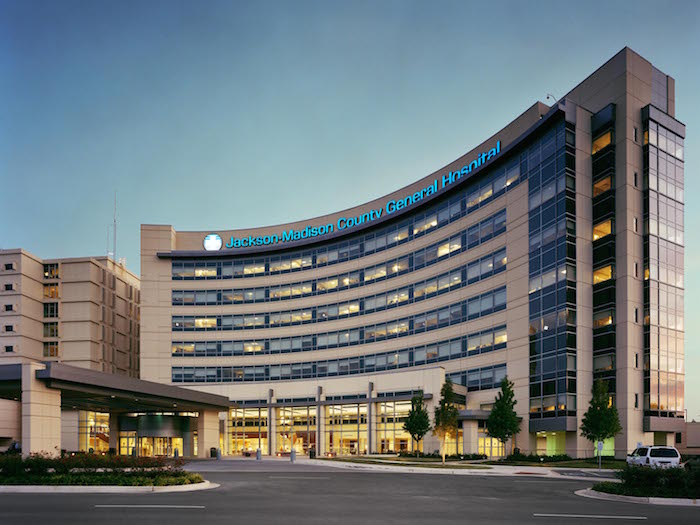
x=446 y=414
x=418 y=421
x=601 y=421
x=503 y=423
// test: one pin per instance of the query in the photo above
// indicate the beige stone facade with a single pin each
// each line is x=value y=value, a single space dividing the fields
x=189 y=331
x=219 y=320
x=79 y=311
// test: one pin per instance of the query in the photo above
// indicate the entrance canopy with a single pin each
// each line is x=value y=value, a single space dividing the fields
x=83 y=389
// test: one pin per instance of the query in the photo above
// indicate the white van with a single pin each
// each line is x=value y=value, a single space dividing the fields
x=655 y=456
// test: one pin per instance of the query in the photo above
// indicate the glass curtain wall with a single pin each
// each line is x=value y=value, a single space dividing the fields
x=248 y=428
x=390 y=435
x=346 y=429
x=93 y=432
x=663 y=271
x=296 y=429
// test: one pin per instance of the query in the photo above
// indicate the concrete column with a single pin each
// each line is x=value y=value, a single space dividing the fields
x=226 y=449
x=371 y=420
x=70 y=430
x=114 y=432
x=470 y=436
x=207 y=432
x=271 y=423
x=320 y=421
x=41 y=414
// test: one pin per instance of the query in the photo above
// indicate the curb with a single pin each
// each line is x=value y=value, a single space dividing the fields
x=102 y=489
x=676 y=502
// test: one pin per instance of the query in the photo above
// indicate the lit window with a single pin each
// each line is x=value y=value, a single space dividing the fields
x=327 y=285
x=603 y=319
x=602 y=186
x=205 y=272
x=602 y=274
x=252 y=347
x=205 y=322
x=348 y=309
x=51 y=291
x=601 y=142
x=602 y=229
x=251 y=269
x=51 y=349
x=51 y=271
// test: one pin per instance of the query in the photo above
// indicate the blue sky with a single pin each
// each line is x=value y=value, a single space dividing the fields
x=211 y=115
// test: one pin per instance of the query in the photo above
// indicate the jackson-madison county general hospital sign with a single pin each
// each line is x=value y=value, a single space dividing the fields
x=213 y=241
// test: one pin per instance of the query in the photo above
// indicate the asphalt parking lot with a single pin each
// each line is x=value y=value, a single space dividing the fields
x=273 y=492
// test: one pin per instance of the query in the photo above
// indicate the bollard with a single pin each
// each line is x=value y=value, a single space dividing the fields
x=258 y=455
x=293 y=455
x=218 y=453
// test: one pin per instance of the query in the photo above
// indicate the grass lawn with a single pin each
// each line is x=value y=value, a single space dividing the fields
x=410 y=462
x=574 y=463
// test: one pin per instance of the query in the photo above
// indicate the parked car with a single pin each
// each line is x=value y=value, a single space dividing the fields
x=655 y=457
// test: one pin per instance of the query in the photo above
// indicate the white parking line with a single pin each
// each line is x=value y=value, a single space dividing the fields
x=150 y=507
x=590 y=516
x=298 y=477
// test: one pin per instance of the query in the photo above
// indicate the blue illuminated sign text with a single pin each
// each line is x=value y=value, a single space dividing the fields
x=392 y=206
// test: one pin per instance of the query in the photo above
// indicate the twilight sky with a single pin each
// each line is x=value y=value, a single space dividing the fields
x=211 y=115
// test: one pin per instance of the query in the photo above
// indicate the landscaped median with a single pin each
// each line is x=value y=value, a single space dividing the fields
x=654 y=482
x=95 y=470
x=408 y=462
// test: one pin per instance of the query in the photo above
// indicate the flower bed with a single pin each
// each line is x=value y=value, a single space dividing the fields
x=90 y=469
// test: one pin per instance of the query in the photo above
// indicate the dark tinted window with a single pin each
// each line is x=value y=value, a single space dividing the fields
x=641 y=451
x=663 y=453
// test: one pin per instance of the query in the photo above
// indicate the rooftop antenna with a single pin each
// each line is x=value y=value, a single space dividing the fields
x=114 y=239
x=109 y=254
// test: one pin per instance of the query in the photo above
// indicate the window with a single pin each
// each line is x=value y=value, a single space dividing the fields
x=51 y=291
x=205 y=322
x=635 y=134
x=51 y=310
x=602 y=274
x=636 y=360
x=9 y=348
x=636 y=315
x=602 y=229
x=636 y=225
x=9 y=266
x=50 y=329
x=601 y=186
x=9 y=328
x=51 y=271
x=9 y=287
x=603 y=319
x=601 y=142
x=636 y=180
x=9 y=308
x=51 y=349
x=636 y=270
x=636 y=400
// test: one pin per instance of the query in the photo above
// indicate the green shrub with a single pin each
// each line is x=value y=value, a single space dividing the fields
x=534 y=458
x=11 y=464
x=655 y=482
x=38 y=464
